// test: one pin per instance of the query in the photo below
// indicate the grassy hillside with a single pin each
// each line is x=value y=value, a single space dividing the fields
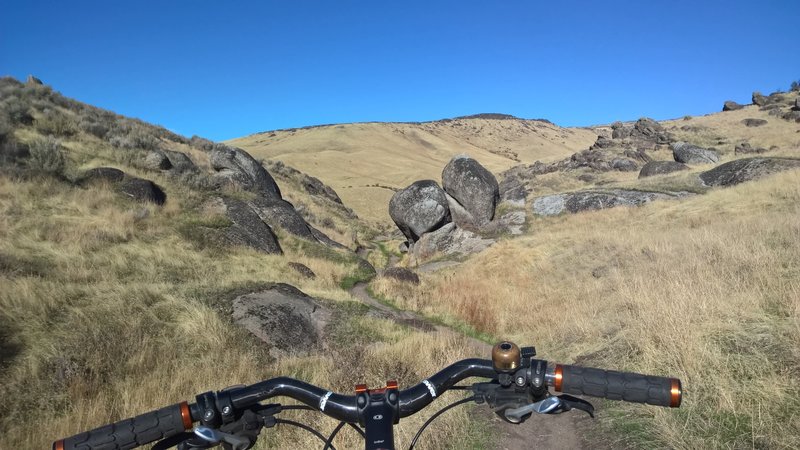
x=110 y=307
x=364 y=161
x=705 y=288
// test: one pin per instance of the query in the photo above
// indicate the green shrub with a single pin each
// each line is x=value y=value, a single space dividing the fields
x=17 y=110
x=129 y=135
x=98 y=129
x=201 y=143
x=46 y=155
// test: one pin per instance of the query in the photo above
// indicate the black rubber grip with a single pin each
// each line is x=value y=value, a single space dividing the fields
x=130 y=433
x=626 y=386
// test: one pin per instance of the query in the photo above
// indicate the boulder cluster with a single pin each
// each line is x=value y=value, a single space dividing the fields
x=251 y=220
x=447 y=219
x=255 y=219
x=779 y=104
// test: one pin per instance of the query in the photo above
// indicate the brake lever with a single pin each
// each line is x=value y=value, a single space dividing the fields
x=549 y=405
x=215 y=437
x=545 y=406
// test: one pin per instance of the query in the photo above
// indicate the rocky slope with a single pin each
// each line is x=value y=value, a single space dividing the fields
x=366 y=162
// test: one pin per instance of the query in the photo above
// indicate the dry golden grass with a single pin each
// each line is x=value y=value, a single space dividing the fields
x=105 y=316
x=705 y=289
x=729 y=127
x=353 y=158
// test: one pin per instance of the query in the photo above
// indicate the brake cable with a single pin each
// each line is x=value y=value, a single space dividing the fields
x=329 y=442
x=438 y=413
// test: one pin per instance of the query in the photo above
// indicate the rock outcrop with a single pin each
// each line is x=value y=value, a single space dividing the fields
x=283 y=317
x=746 y=148
x=278 y=213
x=157 y=160
x=420 y=208
x=180 y=162
x=574 y=202
x=142 y=190
x=691 y=154
x=303 y=270
x=758 y=99
x=473 y=187
x=236 y=166
x=731 y=106
x=401 y=274
x=136 y=188
x=449 y=240
x=246 y=229
x=746 y=169
x=661 y=168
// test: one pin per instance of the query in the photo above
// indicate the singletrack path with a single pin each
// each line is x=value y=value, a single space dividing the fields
x=564 y=431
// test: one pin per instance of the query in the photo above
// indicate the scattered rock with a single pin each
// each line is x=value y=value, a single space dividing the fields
x=639 y=154
x=512 y=190
x=574 y=202
x=474 y=187
x=316 y=187
x=237 y=166
x=731 y=106
x=777 y=112
x=449 y=240
x=602 y=142
x=791 y=116
x=796 y=106
x=624 y=165
x=401 y=274
x=759 y=99
x=33 y=81
x=754 y=122
x=142 y=190
x=157 y=160
x=366 y=268
x=600 y=272
x=691 y=154
x=403 y=247
x=303 y=270
x=661 y=168
x=648 y=127
x=745 y=148
x=137 y=188
x=419 y=208
x=283 y=317
x=619 y=131
x=746 y=169
x=107 y=174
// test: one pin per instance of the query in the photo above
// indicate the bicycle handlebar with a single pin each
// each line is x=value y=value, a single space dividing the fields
x=175 y=419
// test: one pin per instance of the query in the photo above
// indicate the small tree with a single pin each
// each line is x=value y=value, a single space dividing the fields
x=795 y=86
x=46 y=155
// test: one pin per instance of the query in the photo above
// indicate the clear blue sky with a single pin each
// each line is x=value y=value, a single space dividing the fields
x=223 y=69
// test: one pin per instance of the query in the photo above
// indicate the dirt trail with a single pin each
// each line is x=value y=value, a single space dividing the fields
x=540 y=431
